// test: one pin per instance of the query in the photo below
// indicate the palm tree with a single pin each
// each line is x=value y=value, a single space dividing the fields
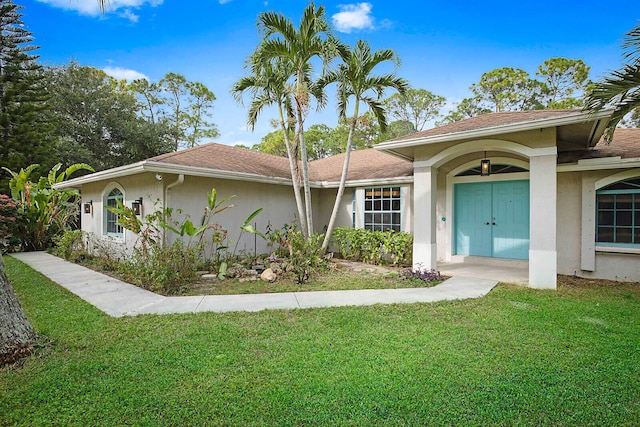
x=621 y=89
x=356 y=83
x=268 y=86
x=299 y=46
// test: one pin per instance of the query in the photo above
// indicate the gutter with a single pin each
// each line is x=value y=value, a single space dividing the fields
x=165 y=197
x=162 y=168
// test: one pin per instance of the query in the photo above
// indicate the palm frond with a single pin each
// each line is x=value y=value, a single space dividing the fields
x=631 y=45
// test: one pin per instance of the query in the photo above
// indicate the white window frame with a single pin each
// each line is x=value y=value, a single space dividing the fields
x=634 y=212
x=384 y=225
x=106 y=214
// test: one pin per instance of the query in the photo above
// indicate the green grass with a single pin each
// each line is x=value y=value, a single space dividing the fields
x=516 y=357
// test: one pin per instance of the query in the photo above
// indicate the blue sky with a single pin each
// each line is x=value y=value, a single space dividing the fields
x=444 y=46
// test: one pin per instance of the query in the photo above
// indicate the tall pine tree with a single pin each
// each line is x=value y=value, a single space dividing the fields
x=24 y=135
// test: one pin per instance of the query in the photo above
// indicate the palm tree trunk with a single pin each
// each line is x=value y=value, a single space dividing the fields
x=343 y=181
x=295 y=176
x=16 y=333
x=305 y=176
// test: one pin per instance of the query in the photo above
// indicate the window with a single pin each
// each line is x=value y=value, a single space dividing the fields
x=495 y=169
x=353 y=208
x=382 y=208
x=112 y=226
x=618 y=214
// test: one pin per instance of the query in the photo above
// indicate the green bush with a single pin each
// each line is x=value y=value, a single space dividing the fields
x=70 y=246
x=374 y=247
x=164 y=270
x=47 y=212
x=304 y=255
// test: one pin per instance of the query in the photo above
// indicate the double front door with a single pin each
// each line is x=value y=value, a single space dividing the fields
x=492 y=219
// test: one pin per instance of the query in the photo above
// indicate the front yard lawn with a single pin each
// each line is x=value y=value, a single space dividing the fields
x=515 y=357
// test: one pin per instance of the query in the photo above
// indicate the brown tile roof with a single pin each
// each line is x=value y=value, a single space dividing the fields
x=486 y=121
x=228 y=158
x=625 y=143
x=374 y=164
x=363 y=164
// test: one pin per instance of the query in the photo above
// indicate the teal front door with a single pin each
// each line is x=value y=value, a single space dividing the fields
x=492 y=219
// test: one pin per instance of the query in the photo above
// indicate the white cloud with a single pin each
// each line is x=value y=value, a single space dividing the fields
x=353 y=16
x=92 y=8
x=128 y=14
x=124 y=73
x=223 y=1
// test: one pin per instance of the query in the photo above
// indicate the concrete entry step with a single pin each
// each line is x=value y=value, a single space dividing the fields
x=495 y=262
x=502 y=270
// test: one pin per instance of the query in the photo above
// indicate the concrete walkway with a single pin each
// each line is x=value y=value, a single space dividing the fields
x=117 y=298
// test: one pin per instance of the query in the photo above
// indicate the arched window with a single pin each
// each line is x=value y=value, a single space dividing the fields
x=495 y=169
x=112 y=227
x=618 y=214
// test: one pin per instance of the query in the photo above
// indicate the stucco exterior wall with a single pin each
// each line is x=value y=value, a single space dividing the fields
x=533 y=139
x=569 y=217
x=326 y=198
x=571 y=210
x=277 y=202
x=188 y=201
x=133 y=187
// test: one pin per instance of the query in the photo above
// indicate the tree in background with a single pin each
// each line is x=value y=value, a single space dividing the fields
x=181 y=106
x=563 y=78
x=561 y=84
x=97 y=119
x=197 y=114
x=467 y=108
x=416 y=107
x=621 y=89
x=150 y=97
x=175 y=87
x=357 y=84
x=508 y=89
x=24 y=132
x=321 y=142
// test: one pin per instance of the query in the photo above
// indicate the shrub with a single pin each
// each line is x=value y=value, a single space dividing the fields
x=374 y=247
x=419 y=273
x=70 y=246
x=11 y=222
x=47 y=213
x=304 y=255
x=164 y=269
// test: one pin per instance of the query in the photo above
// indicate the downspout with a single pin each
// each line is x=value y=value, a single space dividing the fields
x=165 y=196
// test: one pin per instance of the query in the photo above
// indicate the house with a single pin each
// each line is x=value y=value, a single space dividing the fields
x=552 y=192
x=182 y=179
x=541 y=186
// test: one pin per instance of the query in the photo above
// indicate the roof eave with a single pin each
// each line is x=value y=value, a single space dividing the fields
x=568 y=119
x=161 y=167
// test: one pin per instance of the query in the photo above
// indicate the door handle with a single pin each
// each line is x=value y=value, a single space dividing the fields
x=486 y=223
x=493 y=223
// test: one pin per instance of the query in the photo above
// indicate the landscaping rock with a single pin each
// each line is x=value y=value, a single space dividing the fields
x=276 y=268
x=248 y=279
x=268 y=275
x=209 y=277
